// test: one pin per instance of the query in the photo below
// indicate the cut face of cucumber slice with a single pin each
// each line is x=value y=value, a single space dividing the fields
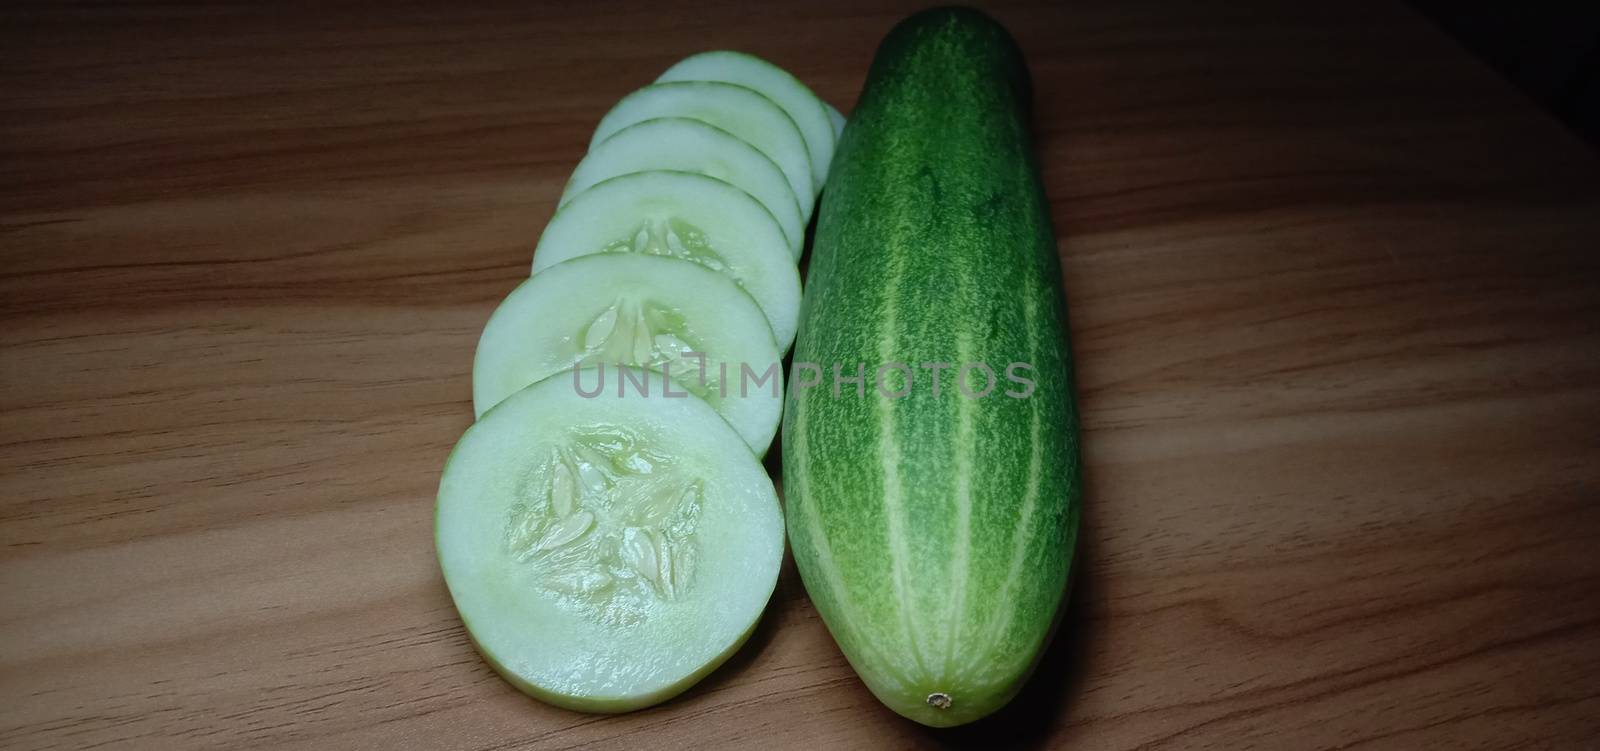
x=776 y=84
x=679 y=143
x=605 y=553
x=751 y=117
x=688 y=216
x=635 y=309
x=838 y=120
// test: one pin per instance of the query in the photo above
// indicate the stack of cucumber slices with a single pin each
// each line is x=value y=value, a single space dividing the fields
x=605 y=527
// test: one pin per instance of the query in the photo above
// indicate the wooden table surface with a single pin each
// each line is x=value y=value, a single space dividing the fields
x=1335 y=291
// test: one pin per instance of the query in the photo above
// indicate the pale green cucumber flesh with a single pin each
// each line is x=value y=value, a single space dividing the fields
x=606 y=553
x=808 y=112
x=837 y=120
x=686 y=145
x=742 y=111
x=683 y=215
x=696 y=325
x=935 y=533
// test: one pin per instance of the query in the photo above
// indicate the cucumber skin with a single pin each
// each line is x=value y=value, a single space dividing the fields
x=934 y=244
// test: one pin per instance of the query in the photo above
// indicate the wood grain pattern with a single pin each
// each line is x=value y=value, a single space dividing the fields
x=1335 y=293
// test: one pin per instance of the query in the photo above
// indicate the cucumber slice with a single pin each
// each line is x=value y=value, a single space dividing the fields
x=679 y=143
x=635 y=309
x=605 y=553
x=753 y=118
x=685 y=215
x=776 y=84
x=838 y=121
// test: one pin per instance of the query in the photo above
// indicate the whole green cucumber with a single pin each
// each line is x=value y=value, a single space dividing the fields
x=934 y=525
